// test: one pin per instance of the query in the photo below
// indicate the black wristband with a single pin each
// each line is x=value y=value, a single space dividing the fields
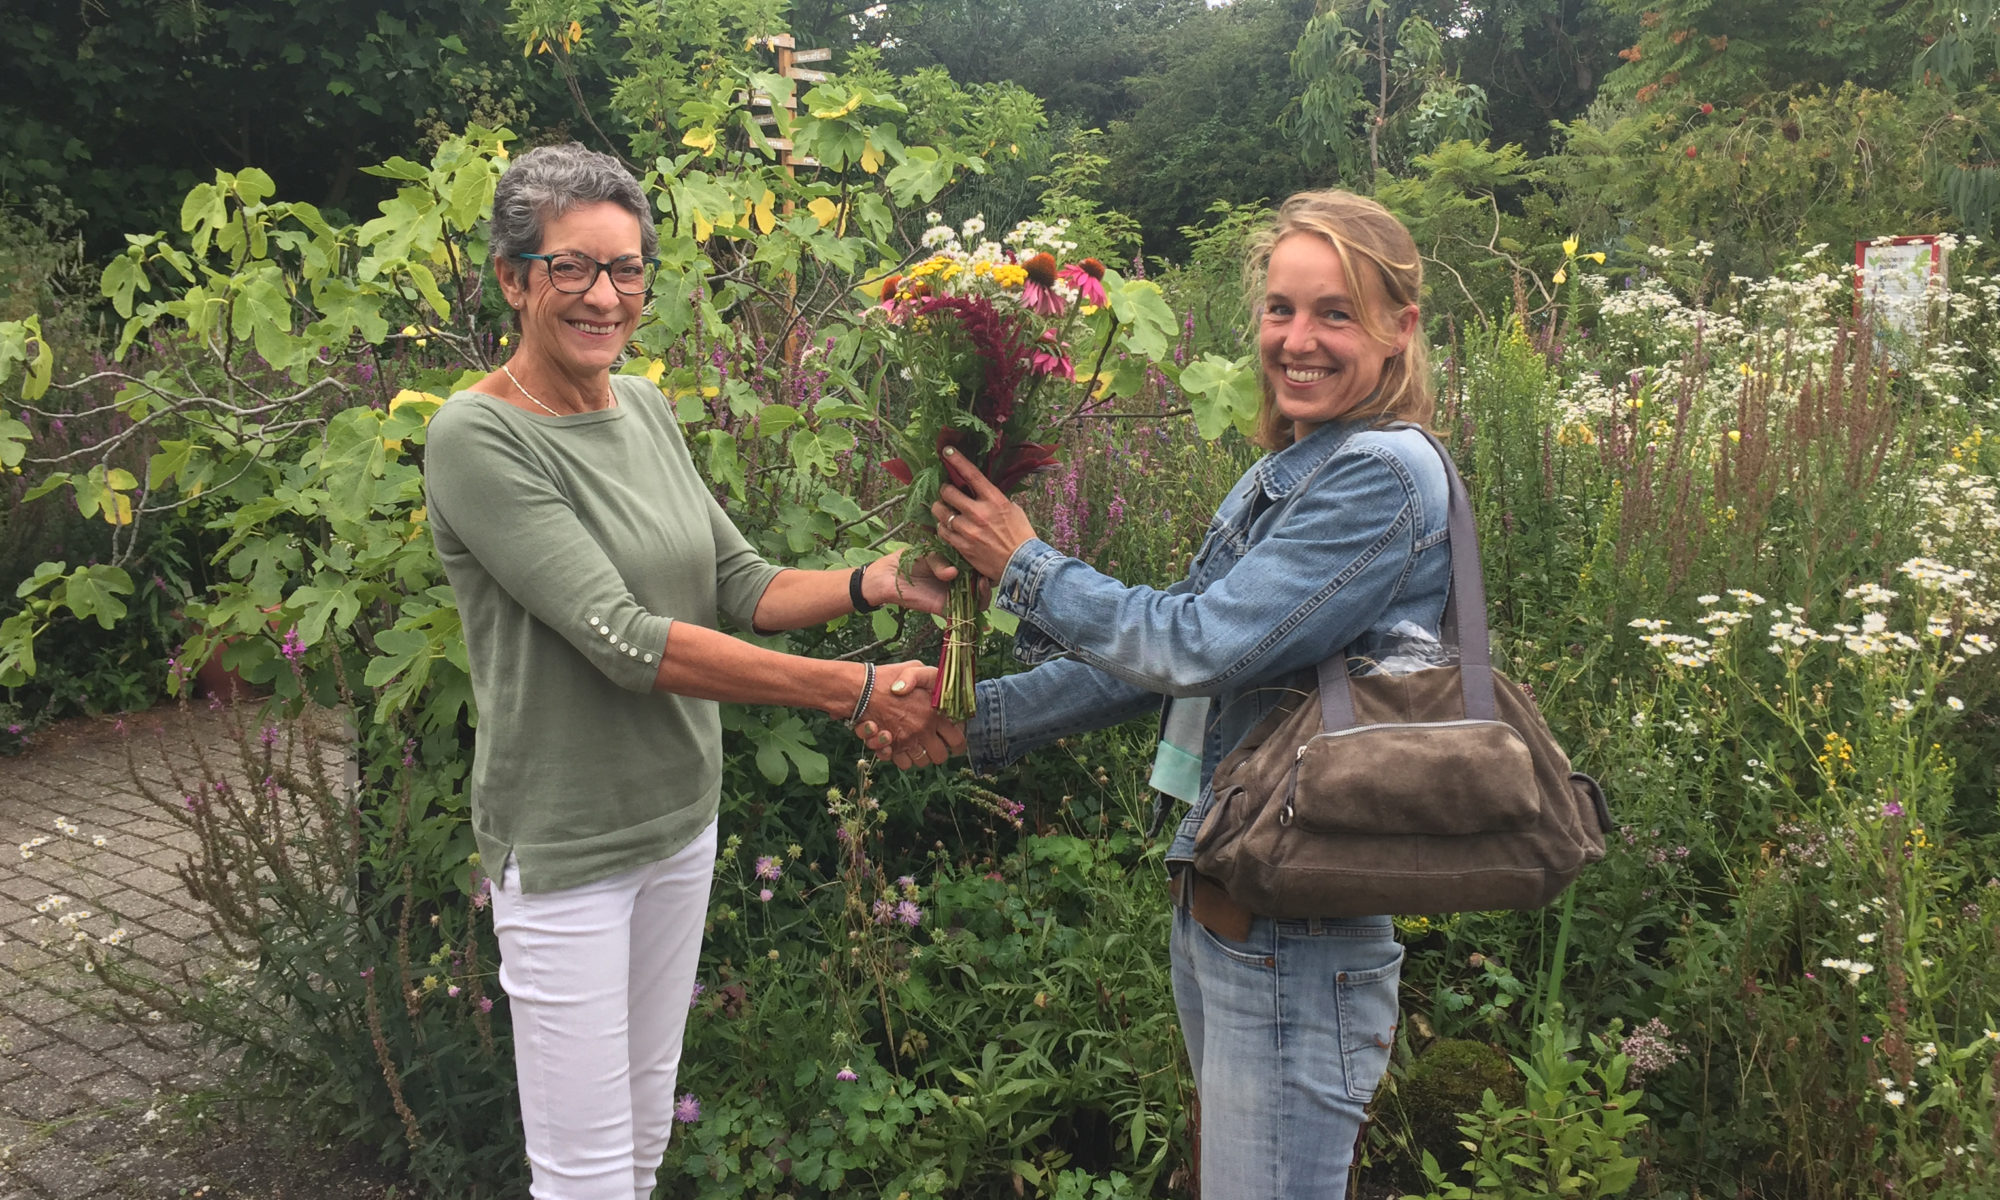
x=861 y=604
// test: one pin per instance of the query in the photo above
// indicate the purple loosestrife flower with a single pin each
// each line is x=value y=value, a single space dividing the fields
x=293 y=647
x=269 y=737
x=694 y=997
x=687 y=1109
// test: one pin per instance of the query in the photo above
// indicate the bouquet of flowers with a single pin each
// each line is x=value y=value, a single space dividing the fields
x=983 y=339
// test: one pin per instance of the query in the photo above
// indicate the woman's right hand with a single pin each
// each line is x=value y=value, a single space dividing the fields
x=900 y=710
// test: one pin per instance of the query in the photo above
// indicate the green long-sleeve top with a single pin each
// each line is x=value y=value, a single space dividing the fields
x=573 y=544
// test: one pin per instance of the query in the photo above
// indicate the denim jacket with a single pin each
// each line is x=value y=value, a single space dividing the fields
x=1328 y=543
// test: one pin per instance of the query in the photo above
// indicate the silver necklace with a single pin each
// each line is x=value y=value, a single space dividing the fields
x=525 y=392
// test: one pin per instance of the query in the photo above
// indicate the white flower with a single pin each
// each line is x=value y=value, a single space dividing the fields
x=98 y=841
x=937 y=237
x=1954 y=704
x=1894 y=1097
x=1711 y=598
x=1864 y=938
x=973 y=227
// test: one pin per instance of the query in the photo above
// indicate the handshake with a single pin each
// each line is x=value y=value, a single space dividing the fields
x=899 y=723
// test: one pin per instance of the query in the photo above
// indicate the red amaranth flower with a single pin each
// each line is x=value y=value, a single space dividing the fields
x=1002 y=346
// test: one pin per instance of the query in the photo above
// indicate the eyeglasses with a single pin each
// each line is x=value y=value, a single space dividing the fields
x=631 y=274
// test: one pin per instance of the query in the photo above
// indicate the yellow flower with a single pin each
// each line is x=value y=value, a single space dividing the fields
x=1569 y=246
x=1010 y=275
x=1735 y=435
x=1596 y=256
x=1561 y=276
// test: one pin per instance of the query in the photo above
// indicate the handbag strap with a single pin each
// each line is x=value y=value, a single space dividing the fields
x=1468 y=594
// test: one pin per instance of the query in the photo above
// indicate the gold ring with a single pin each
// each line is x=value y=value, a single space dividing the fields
x=950 y=521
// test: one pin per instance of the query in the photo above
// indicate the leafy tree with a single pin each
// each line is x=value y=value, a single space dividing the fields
x=1078 y=55
x=1207 y=123
x=1363 y=87
x=122 y=105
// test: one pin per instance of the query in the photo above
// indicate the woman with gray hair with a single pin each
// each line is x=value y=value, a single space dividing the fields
x=590 y=562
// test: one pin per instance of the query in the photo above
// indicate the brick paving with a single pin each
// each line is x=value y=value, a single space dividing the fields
x=81 y=1090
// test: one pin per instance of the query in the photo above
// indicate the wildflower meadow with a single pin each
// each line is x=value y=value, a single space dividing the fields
x=1741 y=528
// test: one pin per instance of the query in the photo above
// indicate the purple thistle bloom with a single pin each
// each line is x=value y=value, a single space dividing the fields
x=909 y=914
x=695 y=997
x=486 y=1004
x=846 y=1075
x=687 y=1109
x=769 y=868
x=1892 y=809
x=764 y=895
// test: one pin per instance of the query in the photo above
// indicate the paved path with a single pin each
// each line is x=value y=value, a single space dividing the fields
x=82 y=1093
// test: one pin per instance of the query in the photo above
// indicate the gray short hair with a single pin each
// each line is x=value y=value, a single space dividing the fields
x=549 y=181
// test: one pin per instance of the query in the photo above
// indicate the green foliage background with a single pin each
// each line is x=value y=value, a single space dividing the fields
x=213 y=434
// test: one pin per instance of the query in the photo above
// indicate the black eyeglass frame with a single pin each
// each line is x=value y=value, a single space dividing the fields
x=597 y=268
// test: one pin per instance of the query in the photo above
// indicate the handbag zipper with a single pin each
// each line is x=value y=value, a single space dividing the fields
x=1399 y=725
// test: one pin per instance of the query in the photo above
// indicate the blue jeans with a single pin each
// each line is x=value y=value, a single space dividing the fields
x=1289 y=1033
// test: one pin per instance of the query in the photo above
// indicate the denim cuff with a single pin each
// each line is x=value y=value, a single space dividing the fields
x=986 y=732
x=1019 y=589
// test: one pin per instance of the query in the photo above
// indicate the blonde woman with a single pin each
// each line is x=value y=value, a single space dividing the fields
x=1333 y=539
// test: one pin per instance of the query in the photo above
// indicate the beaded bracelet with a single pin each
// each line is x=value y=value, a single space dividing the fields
x=861 y=604
x=867 y=693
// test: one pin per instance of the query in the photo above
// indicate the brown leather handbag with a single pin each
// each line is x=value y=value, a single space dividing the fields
x=1441 y=790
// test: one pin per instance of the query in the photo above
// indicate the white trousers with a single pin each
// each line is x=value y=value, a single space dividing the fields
x=598 y=980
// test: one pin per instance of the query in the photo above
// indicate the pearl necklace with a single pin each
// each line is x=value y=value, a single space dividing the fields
x=532 y=398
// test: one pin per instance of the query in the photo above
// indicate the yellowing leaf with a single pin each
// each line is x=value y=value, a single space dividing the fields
x=702 y=227
x=699 y=139
x=767 y=219
x=118 y=509
x=575 y=32
x=825 y=211
x=871 y=158
x=410 y=396
x=834 y=114
x=654 y=370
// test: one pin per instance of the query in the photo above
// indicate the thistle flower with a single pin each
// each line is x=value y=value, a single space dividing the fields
x=687 y=1109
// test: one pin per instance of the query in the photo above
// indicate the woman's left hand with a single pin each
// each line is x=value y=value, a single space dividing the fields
x=922 y=589
x=977 y=519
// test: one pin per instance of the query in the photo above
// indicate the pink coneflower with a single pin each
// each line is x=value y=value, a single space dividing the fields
x=1039 y=290
x=1087 y=277
x=1049 y=359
